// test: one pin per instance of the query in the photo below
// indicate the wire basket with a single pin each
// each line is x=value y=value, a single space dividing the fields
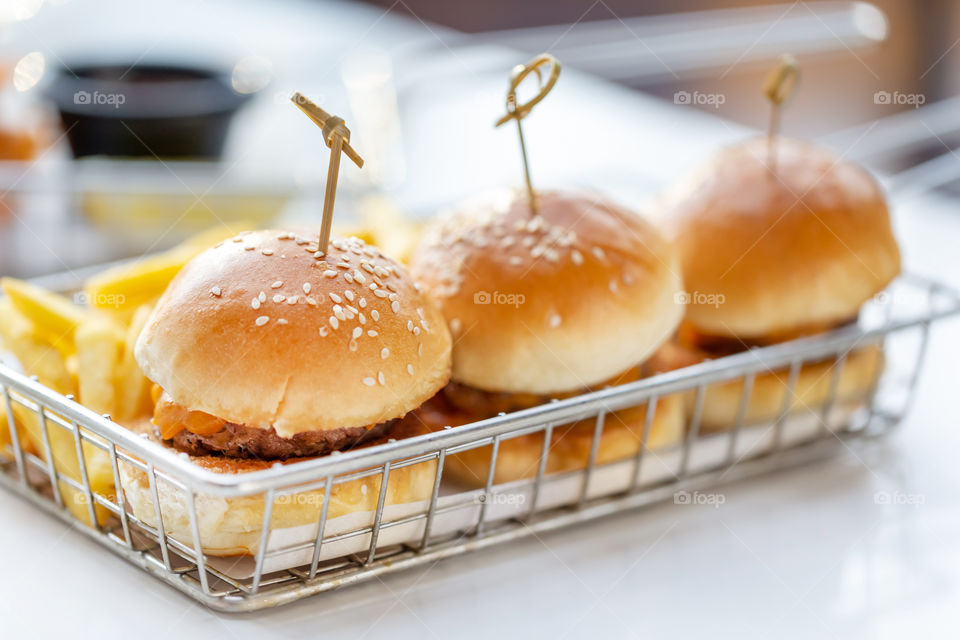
x=288 y=563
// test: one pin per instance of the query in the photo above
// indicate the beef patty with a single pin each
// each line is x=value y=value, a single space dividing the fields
x=239 y=441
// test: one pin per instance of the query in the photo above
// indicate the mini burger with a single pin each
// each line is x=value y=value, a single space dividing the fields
x=542 y=305
x=263 y=351
x=776 y=247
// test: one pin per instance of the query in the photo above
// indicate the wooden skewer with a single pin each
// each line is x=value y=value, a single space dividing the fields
x=777 y=88
x=337 y=138
x=517 y=111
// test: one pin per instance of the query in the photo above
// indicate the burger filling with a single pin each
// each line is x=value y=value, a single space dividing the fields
x=480 y=404
x=690 y=346
x=200 y=434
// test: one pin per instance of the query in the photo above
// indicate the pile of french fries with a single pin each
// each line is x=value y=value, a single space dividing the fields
x=84 y=347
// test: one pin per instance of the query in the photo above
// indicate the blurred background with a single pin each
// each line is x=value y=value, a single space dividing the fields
x=126 y=126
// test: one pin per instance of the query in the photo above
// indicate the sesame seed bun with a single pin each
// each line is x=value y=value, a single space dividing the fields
x=551 y=302
x=721 y=402
x=770 y=249
x=570 y=445
x=260 y=332
x=232 y=526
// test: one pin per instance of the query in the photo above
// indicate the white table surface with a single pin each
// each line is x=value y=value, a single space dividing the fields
x=803 y=553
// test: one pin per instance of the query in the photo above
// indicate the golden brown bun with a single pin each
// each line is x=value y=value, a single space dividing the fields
x=297 y=367
x=586 y=289
x=519 y=457
x=721 y=401
x=231 y=526
x=767 y=249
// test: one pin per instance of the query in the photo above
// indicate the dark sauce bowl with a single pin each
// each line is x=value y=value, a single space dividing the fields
x=152 y=110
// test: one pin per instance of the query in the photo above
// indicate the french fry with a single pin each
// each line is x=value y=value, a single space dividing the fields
x=55 y=317
x=394 y=233
x=34 y=353
x=128 y=286
x=133 y=388
x=99 y=345
x=37 y=357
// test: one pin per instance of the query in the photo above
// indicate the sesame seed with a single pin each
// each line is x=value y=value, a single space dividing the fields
x=359 y=277
x=551 y=255
x=380 y=378
x=255 y=303
x=375 y=315
x=279 y=298
x=330 y=274
x=353 y=345
x=362 y=318
x=352 y=310
x=363 y=303
x=266 y=252
x=277 y=284
x=455 y=325
x=393 y=297
x=293 y=299
x=420 y=349
x=348 y=277
x=420 y=313
x=262 y=297
x=409 y=325
x=372 y=333
x=614 y=286
x=343 y=265
x=334 y=322
x=216 y=291
x=598 y=252
x=628 y=278
x=416 y=331
x=515 y=260
x=282 y=321
x=369 y=382
x=318 y=254
x=323 y=332
x=366 y=266
x=306 y=287
x=249 y=247
x=310 y=301
x=538 y=251
x=380 y=293
x=262 y=320
x=348 y=294
x=555 y=320
x=576 y=256
x=410 y=369
x=335 y=297
x=338 y=312
x=357 y=332
x=384 y=353
x=237 y=239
